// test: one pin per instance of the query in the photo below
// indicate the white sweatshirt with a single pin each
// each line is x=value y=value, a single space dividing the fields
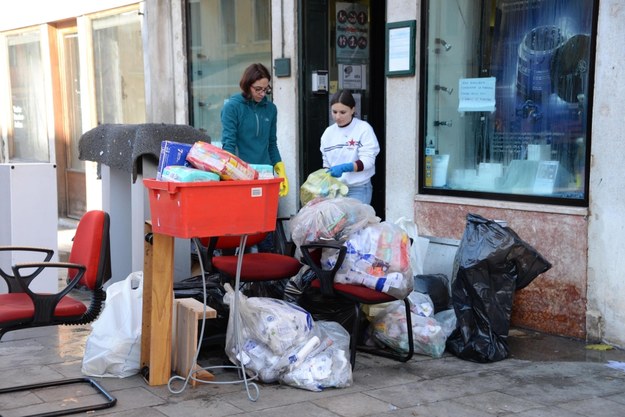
x=340 y=145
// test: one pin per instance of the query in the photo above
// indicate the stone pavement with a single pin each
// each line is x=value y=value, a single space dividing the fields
x=544 y=376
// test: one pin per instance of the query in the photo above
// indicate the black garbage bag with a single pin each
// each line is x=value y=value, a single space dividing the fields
x=299 y=284
x=437 y=287
x=328 y=308
x=268 y=289
x=491 y=263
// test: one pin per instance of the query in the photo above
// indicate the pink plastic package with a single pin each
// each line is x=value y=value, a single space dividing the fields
x=211 y=158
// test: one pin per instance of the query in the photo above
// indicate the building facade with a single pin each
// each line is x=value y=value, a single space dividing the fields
x=508 y=109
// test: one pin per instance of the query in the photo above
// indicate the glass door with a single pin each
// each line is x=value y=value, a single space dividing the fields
x=348 y=50
x=344 y=42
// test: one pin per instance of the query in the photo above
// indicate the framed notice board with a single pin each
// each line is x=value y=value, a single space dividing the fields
x=400 y=48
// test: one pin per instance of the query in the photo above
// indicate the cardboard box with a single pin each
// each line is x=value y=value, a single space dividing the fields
x=172 y=153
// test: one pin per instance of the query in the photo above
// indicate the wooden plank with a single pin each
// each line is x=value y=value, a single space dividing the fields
x=198 y=308
x=147 y=298
x=188 y=312
x=201 y=374
x=161 y=305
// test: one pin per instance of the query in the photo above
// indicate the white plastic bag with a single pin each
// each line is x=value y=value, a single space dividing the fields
x=270 y=331
x=330 y=218
x=429 y=331
x=419 y=245
x=377 y=257
x=113 y=348
x=323 y=362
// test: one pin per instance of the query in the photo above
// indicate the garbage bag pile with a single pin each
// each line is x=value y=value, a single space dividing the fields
x=280 y=342
x=491 y=263
x=301 y=340
x=380 y=255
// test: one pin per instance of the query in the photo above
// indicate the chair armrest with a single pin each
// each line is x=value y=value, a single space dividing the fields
x=45 y=304
x=11 y=281
x=326 y=277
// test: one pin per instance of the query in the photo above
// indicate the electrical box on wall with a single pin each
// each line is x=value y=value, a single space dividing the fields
x=320 y=82
x=282 y=67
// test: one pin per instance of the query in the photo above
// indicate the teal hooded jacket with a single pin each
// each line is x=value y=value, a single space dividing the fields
x=249 y=130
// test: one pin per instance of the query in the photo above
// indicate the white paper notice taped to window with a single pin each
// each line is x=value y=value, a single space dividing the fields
x=476 y=94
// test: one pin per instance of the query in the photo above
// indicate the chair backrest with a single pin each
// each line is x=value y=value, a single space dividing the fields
x=232 y=242
x=281 y=243
x=91 y=247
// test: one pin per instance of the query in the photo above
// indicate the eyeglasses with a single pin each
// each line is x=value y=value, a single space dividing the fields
x=266 y=90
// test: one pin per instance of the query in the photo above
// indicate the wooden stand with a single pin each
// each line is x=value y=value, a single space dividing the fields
x=156 y=336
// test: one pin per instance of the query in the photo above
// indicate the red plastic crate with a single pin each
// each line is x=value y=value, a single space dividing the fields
x=214 y=208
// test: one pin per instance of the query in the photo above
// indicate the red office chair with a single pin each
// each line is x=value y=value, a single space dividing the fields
x=88 y=267
x=255 y=267
x=359 y=295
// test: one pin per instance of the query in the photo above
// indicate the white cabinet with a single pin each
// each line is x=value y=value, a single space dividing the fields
x=28 y=216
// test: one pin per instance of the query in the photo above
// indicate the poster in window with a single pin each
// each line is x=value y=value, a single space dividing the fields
x=476 y=94
x=352 y=77
x=352 y=32
x=541 y=60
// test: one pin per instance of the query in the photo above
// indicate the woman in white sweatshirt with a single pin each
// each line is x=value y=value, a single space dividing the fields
x=349 y=147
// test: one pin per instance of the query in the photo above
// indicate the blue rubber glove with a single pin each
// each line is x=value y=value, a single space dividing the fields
x=338 y=170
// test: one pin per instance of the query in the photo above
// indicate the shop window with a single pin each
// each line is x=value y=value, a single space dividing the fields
x=228 y=17
x=262 y=28
x=216 y=62
x=28 y=130
x=118 y=62
x=507 y=95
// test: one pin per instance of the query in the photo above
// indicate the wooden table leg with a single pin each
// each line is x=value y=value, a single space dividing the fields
x=146 y=324
x=158 y=298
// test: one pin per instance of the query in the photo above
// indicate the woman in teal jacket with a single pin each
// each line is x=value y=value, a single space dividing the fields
x=248 y=122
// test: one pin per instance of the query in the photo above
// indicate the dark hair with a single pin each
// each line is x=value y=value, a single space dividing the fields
x=344 y=97
x=252 y=74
